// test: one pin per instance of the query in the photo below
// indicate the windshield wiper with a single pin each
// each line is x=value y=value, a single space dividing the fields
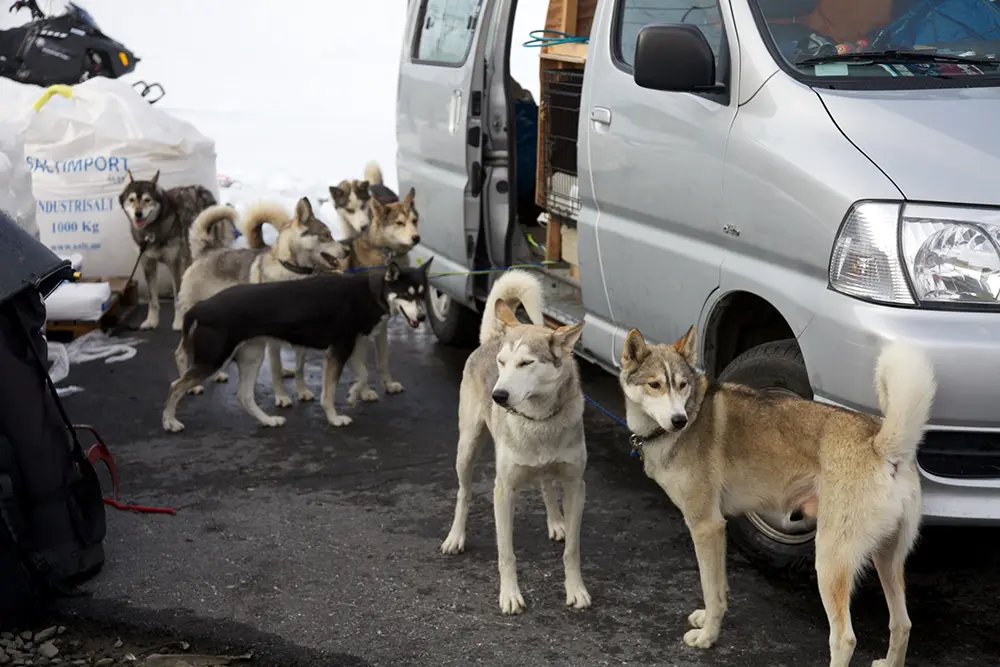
x=893 y=56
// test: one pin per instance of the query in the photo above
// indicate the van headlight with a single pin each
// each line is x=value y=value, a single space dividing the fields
x=918 y=254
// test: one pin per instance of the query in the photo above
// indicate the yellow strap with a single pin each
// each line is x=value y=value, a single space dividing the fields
x=60 y=89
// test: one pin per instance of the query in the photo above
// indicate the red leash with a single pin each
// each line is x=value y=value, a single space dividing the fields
x=99 y=452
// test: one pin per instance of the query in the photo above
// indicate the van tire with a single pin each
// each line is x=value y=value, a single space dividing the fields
x=772 y=366
x=458 y=326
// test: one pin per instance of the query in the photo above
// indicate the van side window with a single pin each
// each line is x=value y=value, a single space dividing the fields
x=631 y=16
x=445 y=29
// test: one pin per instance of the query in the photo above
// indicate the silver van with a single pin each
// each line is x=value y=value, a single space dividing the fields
x=802 y=179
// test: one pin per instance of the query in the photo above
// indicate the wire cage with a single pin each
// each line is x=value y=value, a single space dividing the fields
x=561 y=91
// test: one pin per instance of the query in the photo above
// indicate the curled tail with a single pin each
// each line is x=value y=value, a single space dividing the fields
x=260 y=213
x=904 y=382
x=515 y=286
x=373 y=173
x=214 y=228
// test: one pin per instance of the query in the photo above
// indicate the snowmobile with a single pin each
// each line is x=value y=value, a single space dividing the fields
x=65 y=49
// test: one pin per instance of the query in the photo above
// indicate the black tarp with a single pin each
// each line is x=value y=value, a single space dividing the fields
x=52 y=521
x=25 y=262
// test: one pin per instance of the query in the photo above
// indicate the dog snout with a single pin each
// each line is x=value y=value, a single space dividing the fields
x=678 y=421
x=421 y=317
x=416 y=239
x=501 y=396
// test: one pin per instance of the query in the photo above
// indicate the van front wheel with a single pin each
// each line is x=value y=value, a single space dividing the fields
x=451 y=322
x=781 y=542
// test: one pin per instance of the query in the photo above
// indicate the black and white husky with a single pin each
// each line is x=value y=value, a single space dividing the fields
x=328 y=312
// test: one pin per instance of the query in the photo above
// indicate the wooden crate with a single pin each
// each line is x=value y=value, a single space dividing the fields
x=573 y=17
x=554 y=183
x=124 y=299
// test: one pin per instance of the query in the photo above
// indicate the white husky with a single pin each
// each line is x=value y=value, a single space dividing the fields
x=523 y=384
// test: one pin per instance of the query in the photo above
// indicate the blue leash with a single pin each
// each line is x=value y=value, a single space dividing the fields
x=636 y=449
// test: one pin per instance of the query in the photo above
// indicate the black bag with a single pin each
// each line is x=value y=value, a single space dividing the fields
x=52 y=521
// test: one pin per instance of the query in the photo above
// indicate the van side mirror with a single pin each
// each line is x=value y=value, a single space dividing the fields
x=675 y=58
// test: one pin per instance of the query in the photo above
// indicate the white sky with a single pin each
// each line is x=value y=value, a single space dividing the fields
x=294 y=92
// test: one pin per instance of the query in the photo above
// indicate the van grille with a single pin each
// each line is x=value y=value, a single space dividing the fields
x=961 y=454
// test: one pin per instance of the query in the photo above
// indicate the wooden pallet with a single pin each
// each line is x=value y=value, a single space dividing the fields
x=124 y=299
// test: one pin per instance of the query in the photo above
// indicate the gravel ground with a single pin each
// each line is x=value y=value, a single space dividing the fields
x=319 y=546
x=87 y=645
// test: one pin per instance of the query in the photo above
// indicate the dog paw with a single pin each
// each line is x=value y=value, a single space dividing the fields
x=148 y=324
x=697 y=619
x=172 y=425
x=305 y=396
x=699 y=638
x=557 y=531
x=283 y=401
x=369 y=395
x=881 y=662
x=339 y=420
x=287 y=372
x=453 y=544
x=577 y=595
x=511 y=601
x=177 y=325
x=273 y=421
x=393 y=387
x=222 y=377
x=196 y=390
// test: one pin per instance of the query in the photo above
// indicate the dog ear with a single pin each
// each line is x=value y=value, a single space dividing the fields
x=410 y=194
x=504 y=314
x=634 y=350
x=564 y=338
x=155 y=178
x=425 y=267
x=392 y=272
x=337 y=194
x=378 y=208
x=131 y=179
x=687 y=346
x=363 y=192
x=303 y=209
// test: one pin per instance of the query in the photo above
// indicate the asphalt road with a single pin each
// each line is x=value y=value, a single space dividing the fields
x=317 y=545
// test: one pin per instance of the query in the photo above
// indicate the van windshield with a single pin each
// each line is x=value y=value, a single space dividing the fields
x=885 y=38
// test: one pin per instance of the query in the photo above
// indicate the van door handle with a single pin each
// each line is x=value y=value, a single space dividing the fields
x=600 y=115
x=455 y=111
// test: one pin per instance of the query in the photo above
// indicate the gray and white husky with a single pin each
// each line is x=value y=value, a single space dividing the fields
x=160 y=223
x=523 y=385
x=304 y=247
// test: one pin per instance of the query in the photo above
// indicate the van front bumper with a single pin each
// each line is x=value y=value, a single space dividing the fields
x=960 y=457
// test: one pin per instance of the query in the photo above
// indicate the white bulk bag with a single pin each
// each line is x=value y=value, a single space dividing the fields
x=78 y=150
x=15 y=180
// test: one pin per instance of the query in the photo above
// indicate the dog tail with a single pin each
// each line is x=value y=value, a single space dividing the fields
x=257 y=215
x=214 y=228
x=373 y=173
x=515 y=286
x=904 y=382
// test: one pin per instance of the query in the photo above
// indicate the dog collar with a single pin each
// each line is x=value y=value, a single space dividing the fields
x=534 y=419
x=295 y=268
x=638 y=441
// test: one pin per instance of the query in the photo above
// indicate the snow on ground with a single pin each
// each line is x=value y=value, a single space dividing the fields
x=297 y=94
